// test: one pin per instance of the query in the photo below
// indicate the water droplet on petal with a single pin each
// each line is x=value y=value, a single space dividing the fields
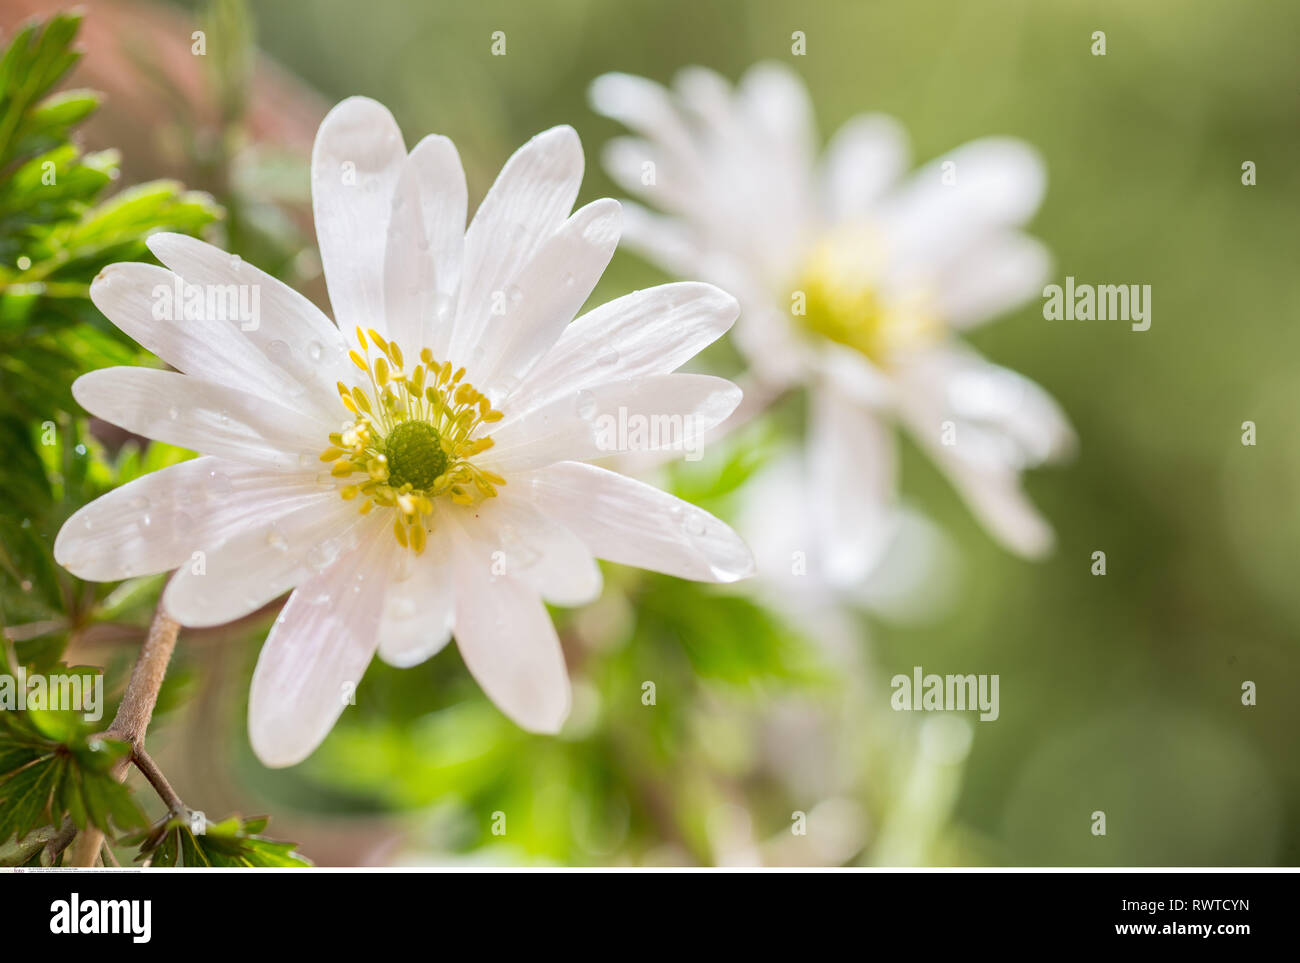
x=218 y=483
x=322 y=555
x=236 y=262
x=314 y=350
x=278 y=351
x=275 y=538
x=694 y=525
x=608 y=359
x=173 y=412
x=586 y=405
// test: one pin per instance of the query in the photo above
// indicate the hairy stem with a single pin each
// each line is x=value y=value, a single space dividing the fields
x=131 y=723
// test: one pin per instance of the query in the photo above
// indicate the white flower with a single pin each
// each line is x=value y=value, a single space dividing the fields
x=353 y=464
x=853 y=282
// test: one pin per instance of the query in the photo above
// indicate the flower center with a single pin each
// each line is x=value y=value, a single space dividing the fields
x=415 y=456
x=413 y=438
x=842 y=301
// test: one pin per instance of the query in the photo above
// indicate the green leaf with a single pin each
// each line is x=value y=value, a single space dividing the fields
x=727 y=638
x=190 y=839
x=52 y=766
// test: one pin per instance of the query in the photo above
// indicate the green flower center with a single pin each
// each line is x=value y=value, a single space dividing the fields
x=415 y=456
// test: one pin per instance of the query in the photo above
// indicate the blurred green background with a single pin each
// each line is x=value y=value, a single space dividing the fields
x=1119 y=693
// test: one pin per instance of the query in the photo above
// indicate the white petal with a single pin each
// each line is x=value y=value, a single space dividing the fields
x=208 y=418
x=511 y=537
x=531 y=198
x=157 y=522
x=999 y=183
x=426 y=239
x=418 y=605
x=645 y=107
x=355 y=165
x=509 y=645
x=314 y=658
x=665 y=241
x=645 y=333
x=853 y=477
x=673 y=188
x=289 y=332
x=140 y=300
x=262 y=561
x=629 y=522
x=864 y=158
x=775 y=101
x=653 y=413
x=1003 y=423
x=547 y=293
x=1002 y=417
x=1001 y=274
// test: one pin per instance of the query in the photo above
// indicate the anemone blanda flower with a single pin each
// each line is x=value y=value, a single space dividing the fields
x=855 y=282
x=418 y=469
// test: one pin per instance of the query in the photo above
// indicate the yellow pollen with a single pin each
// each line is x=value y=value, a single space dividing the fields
x=837 y=297
x=412 y=438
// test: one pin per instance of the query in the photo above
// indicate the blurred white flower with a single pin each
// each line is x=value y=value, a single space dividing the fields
x=854 y=281
x=356 y=464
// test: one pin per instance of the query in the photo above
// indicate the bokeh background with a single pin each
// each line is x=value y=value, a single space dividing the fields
x=1119 y=693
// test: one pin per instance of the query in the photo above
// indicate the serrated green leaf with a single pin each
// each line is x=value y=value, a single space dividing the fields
x=229 y=843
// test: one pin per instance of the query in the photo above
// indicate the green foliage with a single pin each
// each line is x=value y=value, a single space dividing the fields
x=52 y=765
x=57 y=230
x=725 y=638
x=173 y=841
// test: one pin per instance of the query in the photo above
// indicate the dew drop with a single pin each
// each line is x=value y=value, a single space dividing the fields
x=278 y=351
x=275 y=538
x=314 y=351
x=322 y=555
x=586 y=405
x=146 y=520
x=80 y=449
x=218 y=483
x=173 y=412
x=608 y=359
x=236 y=262
x=693 y=525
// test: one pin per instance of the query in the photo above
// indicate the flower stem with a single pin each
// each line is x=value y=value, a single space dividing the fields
x=131 y=723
